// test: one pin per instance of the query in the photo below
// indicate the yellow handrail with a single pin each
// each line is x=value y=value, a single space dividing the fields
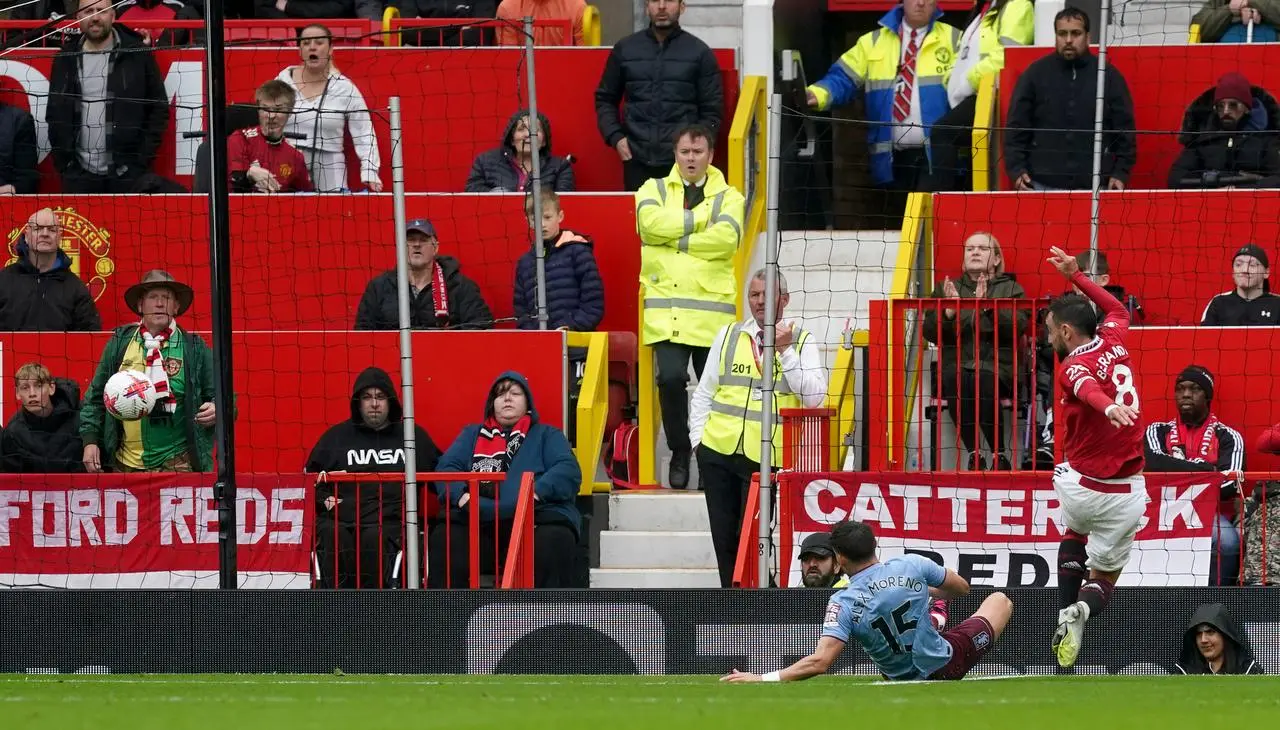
x=591 y=31
x=593 y=407
x=916 y=232
x=984 y=134
x=388 y=33
x=1193 y=33
x=842 y=396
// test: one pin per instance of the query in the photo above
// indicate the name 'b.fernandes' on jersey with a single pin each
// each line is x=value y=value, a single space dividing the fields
x=886 y=610
x=1094 y=376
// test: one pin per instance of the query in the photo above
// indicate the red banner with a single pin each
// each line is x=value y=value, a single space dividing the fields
x=151 y=531
x=997 y=529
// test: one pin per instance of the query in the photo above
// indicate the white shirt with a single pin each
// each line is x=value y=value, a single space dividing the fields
x=959 y=88
x=803 y=372
x=323 y=119
x=911 y=132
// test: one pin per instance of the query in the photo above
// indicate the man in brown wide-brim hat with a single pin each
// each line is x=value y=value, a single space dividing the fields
x=177 y=434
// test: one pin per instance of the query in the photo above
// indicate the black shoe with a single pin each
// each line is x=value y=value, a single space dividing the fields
x=678 y=473
x=1002 y=464
x=976 y=462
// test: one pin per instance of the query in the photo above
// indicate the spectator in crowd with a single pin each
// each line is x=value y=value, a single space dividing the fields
x=818 y=565
x=575 y=293
x=35 y=9
x=1051 y=117
x=1230 y=138
x=665 y=78
x=725 y=413
x=358 y=524
x=451 y=34
x=290 y=9
x=108 y=108
x=259 y=158
x=977 y=347
x=177 y=436
x=510 y=440
x=902 y=66
x=1227 y=21
x=515 y=11
x=1251 y=303
x=160 y=11
x=39 y=292
x=993 y=24
x=327 y=105
x=1197 y=441
x=44 y=435
x=1214 y=644
x=508 y=168
x=18 y=173
x=690 y=225
x=1261 y=564
x=440 y=297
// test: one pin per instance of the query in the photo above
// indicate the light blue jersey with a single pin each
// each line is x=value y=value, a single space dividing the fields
x=886 y=610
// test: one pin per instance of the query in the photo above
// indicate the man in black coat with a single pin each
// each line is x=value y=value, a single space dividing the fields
x=1230 y=138
x=440 y=297
x=365 y=517
x=39 y=292
x=1049 y=143
x=43 y=437
x=107 y=107
x=17 y=151
x=668 y=79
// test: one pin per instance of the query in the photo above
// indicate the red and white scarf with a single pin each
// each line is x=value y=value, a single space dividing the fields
x=1180 y=434
x=496 y=448
x=152 y=345
x=440 y=297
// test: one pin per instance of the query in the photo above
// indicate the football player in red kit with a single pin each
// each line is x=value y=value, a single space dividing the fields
x=259 y=158
x=1100 y=484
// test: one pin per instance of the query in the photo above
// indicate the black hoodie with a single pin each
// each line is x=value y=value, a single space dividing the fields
x=354 y=447
x=1253 y=149
x=1238 y=657
x=50 y=444
x=497 y=170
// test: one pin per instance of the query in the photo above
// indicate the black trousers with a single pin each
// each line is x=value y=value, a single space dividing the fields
x=77 y=181
x=672 y=361
x=951 y=142
x=555 y=552
x=351 y=558
x=973 y=403
x=636 y=173
x=910 y=175
x=726 y=481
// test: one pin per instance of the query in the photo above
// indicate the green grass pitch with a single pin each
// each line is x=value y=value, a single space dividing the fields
x=280 y=702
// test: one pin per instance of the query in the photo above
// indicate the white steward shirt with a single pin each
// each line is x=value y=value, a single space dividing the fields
x=803 y=371
x=959 y=88
x=911 y=132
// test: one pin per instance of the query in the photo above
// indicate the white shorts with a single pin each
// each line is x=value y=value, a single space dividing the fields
x=1107 y=510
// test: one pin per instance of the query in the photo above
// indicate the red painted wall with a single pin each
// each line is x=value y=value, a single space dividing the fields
x=302 y=262
x=1163 y=80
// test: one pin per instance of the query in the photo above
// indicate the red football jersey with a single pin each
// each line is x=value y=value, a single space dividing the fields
x=247 y=147
x=1093 y=376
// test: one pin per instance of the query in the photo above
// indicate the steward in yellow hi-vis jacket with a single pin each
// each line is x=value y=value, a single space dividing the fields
x=903 y=67
x=726 y=417
x=690 y=225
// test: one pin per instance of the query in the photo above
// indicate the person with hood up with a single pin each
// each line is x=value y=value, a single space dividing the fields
x=364 y=519
x=510 y=440
x=1230 y=138
x=508 y=168
x=39 y=292
x=976 y=358
x=1215 y=644
x=43 y=437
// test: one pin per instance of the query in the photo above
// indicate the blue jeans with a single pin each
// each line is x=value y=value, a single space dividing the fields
x=1224 y=563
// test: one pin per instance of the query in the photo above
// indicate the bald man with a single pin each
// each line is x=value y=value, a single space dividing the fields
x=39 y=292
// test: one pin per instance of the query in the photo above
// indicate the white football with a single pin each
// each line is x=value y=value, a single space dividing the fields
x=129 y=395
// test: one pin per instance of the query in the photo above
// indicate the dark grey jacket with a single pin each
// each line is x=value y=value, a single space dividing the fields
x=497 y=170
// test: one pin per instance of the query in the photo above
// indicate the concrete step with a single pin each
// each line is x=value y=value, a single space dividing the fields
x=656 y=549
x=682 y=511
x=648 y=578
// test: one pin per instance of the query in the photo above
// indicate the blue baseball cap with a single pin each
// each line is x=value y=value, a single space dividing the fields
x=421 y=225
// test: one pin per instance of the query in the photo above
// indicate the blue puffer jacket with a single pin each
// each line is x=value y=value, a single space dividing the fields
x=545 y=452
x=575 y=293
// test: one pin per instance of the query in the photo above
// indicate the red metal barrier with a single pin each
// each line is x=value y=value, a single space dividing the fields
x=806 y=438
x=746 y=573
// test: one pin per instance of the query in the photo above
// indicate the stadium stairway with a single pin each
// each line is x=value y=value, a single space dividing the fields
x=656 y=539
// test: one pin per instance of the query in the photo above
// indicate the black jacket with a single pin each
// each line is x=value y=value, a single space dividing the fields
x=53 y=301
x=1229 y=309
x=18 y=149
x=1238 y=657
x=665 y=86
x=380 y=308
x=1230 y=453
x=1212 y=157
x=369 y=9
x=35 y=445
x=495 y=170
x=1053 y=94
x=354 y=447
x=452 y=35
x=137 y=114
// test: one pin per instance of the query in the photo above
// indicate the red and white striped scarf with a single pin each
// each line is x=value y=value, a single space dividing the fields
x=1206 y=435
x=152 y=344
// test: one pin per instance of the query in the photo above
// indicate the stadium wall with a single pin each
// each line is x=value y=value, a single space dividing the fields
x=548 y=632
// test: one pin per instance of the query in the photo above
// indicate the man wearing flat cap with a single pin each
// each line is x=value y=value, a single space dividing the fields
x=818 y=566
x=1250 y=303
x=1230 y=138
x=440 y=297
x=177 y=436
